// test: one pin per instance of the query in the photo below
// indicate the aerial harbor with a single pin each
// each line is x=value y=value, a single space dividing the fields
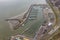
x=30 y=20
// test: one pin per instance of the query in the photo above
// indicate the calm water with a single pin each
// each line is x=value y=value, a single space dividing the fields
x=9 y=9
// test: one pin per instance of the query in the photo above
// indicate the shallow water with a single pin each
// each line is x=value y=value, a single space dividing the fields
x=9 y=9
